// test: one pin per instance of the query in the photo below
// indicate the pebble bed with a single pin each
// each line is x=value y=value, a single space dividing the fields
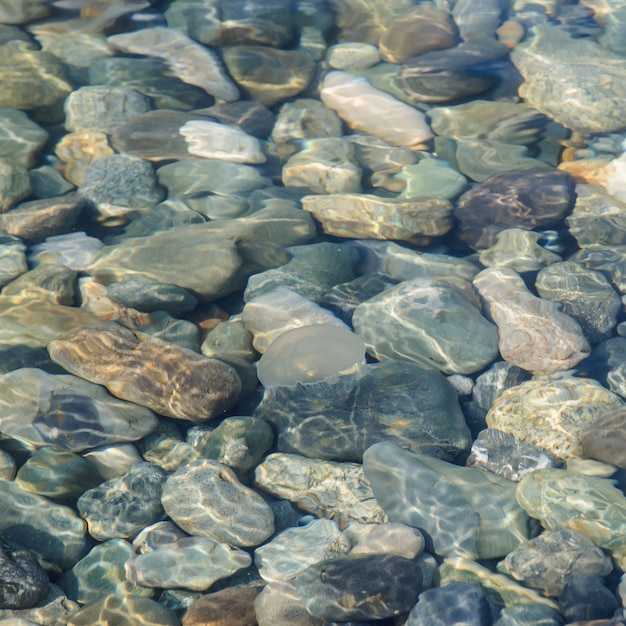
x=311 y=312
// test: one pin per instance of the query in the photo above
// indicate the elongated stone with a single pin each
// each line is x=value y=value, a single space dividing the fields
x=534 y=334
x=170 y=380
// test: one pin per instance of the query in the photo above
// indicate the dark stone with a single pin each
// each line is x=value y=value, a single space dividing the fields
x=529 y=615
x=338 y=419
x=142 y=293
x=586 y=598
x=447 y=75
x=528 y=199
x=456 y=603
x=23 y=582
x=360 y=587
x=252 y=117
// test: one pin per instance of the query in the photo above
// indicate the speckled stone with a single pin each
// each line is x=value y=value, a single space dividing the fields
x=429 y=321
x=206 y=498
x=121 y=507
x=574 y=81
x=20 y=138
x=546 y=561
x=269 y=75
x=193 y=563
x=101 y=572
x=533 y=333
x=132 y=365
x=562 y=499
x=14 y=184
x=462 y=510
x=552 y=414
x=130 y=610
x=336 y=491
x=527 y=199
x=23 y=582
x=586 y=296
x=54 y=533
x=338 y=419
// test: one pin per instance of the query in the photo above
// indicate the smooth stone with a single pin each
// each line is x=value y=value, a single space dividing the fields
x=140 y=292
x=608 y=259
x=552 y=414
x=253 y=118
x=586 y=598
x=57 y=474
x=501 y=590
x=311 y=271
x=343 y=588
x=12 y=259
x=19 y=356
x=23 y=11
x=48 y=182
x=101 y=572
x=52 y=532
x=76 y=152
x=37 y=220
x=547 y=561
x=398 y=539
x=113 y=460
x=323 y=165
x=193 y=563
x=505 y=455
x=7 y=466
x=278 y=604
x=561 y=499
x=597 y=218
x=238 y=442
x=122 y=181
x=581 y=95
x=132 y=365
x=303 y=118
x=103 y=108
x=430 y=178
x=75 y=250
x=156 y=536
x=23 y=582
x=130 y=610
x=428 y=494
x=31 y=78
x=14 y=184
x=372 y=217
x=122 y=506
x=269 y=75
x=338 y=419
x=454 y=603
x=213 y=140
x=507 y=122
x=54 y=608
x=359 y=105
x=527 y=199
x=148 y=76
x=534 y=334
x=272 y=313
x=529 y=615
x=352 y=55
x=164 y=257
x=155 y=135
x=337 y=491
x=233 y=606
x=189 y=61
x=415 y=32
x=586 y=296
x=520 y=250
x=229 y=338
x=310 y=354
x=206 y=498
x=428 y=321
x=20 y=138
x=440 y=76
x=604 y=439
x=34 y=323
x=289 y=553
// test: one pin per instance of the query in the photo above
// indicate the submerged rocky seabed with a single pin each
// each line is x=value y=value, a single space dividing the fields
x=311 y=312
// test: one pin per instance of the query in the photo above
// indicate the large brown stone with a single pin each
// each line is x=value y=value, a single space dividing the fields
x=170 y=380
x=233 y=606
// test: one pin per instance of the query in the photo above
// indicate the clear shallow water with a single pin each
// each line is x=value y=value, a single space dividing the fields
x=187 y=181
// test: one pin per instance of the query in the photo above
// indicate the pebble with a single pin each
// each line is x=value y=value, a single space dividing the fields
x=585 y=597
x=440 y=492
x=77 y=151
x=227 y=607
x=394 y=538
x=139 y=292
x=54 y=608
x=206 y=498
x=126 y=362
x=533 y=334
x=553 y=414
x=122 y=506
x=251 y=117
x=352 y=55
x=430 y=322
x=358 y=103
x=23 y=582
x=12 y=259
x=603 y=439
x=14 y=184
x=20 y=138
x=279 y=605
